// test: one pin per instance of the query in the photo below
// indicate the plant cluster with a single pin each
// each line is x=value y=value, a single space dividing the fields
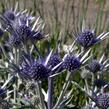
x=27 y=68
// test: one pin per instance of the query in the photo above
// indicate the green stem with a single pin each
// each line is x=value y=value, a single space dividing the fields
x=65 y=86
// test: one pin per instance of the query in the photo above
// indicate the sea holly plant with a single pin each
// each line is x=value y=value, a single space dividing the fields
x=27 y=68
x=88 y=38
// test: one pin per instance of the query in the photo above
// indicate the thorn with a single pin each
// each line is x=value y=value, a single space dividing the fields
x=85 y=55
x=48 y=57
x=35 y=23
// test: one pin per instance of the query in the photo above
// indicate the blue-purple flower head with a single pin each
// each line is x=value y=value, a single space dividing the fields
x=74 y=62
x=24 y=32
x=100 y=83
x=24 y=25
x=98 y=66
x=86 y=38
x=27 y=33
x=31 y=68
x=10 y=15
x=103 y=100
x=71 y=63
x=35 y=71
x=54 y=63
x=54 y=60
x=94 y=66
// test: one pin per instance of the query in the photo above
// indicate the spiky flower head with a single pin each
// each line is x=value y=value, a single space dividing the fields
x=94 y=66
x=24 y=25
x=24 y=32
x=100 y=83
x=103 y=100
x=54 y=63
x=35 y=71
x=86 y=38
x=10 y=15
x=71 y=63
x=54 y=60
x=30 y=68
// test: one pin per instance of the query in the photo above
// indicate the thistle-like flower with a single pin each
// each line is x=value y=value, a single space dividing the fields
x=30 y=68
x=27 y=33
x=103 y=100
x=54 y=60
x=98 y=66
x=10 y=15
x=100 y=83
x=88 y=38
x=35 y=71
x=24 y=32
x=94 y=66
x=71 y=63
x=25 y=26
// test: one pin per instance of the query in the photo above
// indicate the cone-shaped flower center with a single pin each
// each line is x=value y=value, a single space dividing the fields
x=35 y=71
x=86 y=39
x=71 y=63
x=94 y=66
